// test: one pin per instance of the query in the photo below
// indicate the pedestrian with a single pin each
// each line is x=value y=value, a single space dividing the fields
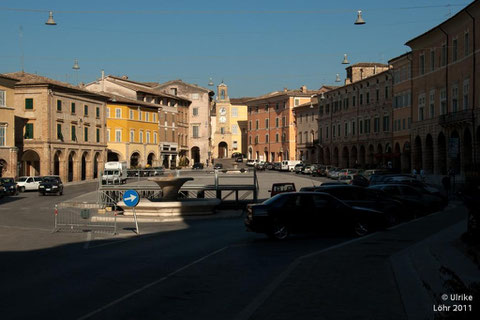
x=415 y=173
x=422 y=175
x=207 y=163
x=446 y=184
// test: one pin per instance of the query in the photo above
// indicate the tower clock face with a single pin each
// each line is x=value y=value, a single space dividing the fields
x=223 y=119
x=223 y=111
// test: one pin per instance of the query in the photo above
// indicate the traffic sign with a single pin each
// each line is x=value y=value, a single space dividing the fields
x=131 y=198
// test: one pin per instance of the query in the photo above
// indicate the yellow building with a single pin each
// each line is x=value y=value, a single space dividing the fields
x=227 y=121
x=133 y=132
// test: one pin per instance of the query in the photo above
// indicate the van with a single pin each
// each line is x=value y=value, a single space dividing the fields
x=115 y=172
x=289 y=165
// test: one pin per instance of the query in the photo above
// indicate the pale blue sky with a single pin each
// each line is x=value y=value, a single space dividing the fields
x=254 y=46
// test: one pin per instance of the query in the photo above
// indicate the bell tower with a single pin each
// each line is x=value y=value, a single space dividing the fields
x=222 y=92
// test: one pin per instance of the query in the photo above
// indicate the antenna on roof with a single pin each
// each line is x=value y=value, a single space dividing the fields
x=20 y=37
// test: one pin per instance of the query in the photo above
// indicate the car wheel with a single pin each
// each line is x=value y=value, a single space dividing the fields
x=361 y=228
x=279 y=231
x=22 y=189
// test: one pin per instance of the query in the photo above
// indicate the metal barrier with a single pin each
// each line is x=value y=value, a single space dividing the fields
x=82 y=217
x=226 y=185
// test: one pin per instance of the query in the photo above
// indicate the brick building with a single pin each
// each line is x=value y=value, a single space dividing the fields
x=306 y=123
x=445 y=107
x=271 y=124
x=200 y=130
x=355 y=120
x=402 y=111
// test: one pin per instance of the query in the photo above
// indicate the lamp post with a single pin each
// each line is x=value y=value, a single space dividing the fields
x=76 y=67
x=50 y=21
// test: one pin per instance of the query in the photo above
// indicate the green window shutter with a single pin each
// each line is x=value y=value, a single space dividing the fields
x=85 y=131
x=59 y=105
x=98 y=112
x=59 y=132
x=85 y=110
x=29 y=103
x=73 y=107
x=98 y=135
x=74 y=135
x=29 y=131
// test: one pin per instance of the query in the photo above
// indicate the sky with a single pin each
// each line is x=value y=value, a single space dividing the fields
x=254 y=46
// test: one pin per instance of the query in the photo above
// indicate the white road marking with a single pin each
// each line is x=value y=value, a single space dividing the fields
x=89 y=238
x=149 y=285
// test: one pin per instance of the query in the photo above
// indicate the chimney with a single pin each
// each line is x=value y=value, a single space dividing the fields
x=285 y=89
x=304 y=89
x=375 y=69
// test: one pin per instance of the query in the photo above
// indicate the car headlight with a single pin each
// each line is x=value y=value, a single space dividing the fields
x=54 y=187
x=42 y=187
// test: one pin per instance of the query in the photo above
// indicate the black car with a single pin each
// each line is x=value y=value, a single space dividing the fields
x=10 y=186
x=218 y=166
x=197 y=166
x=394 y=209
x=417 y=202
x=50 y=184
x=297 y=212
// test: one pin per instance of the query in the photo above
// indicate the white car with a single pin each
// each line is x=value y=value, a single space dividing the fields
x=28 y=183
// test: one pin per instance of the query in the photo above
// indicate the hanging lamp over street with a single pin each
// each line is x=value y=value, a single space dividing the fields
x=359 y=18
x=50 y=21
x=345 y=60
x=337 y=79
x=75 y=65
x=210 y=83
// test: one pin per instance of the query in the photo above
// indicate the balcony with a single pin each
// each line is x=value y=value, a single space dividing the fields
x=455 y=118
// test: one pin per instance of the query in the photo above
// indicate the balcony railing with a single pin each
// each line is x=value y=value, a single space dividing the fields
x=455 y=118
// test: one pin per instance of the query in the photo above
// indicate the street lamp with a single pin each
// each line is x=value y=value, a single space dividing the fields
x=345 y=60
x=50 y=21
x=359 y=18
x=210 y=83
x=337 y=79
x=76 y=67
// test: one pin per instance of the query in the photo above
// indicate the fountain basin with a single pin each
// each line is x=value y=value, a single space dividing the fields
x=170 y=186
x=183 y=207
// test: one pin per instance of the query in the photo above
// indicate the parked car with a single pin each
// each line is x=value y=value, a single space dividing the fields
x=3 y=191
x=269 y=165
x=158 y=171
x=380 y=178
x=319 y=171
x=236 y=154
x=298 y=212
x=277 y=166
x=251 y=162
x=308 y=169
x=278 y=188
x=394 y=209
x=197 y=166
x=298 y=168
x=368 y=173
x=218 y=166
x=239 y=158
x=419 y=185
x=260 y=165
x=28 y=183
x=417 y=202
x=10 y=186
x=50 y=184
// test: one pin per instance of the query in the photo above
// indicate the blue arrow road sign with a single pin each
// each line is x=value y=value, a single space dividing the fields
x=131 y=198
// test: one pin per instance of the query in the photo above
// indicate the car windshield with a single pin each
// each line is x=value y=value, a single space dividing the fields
x=6 y=180
x=49 y=179
x=22 y=179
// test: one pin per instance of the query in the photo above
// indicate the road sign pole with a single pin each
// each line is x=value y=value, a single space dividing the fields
x=136 y=222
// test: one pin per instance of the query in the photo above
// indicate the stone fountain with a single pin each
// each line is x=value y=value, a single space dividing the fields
x=169 y=204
